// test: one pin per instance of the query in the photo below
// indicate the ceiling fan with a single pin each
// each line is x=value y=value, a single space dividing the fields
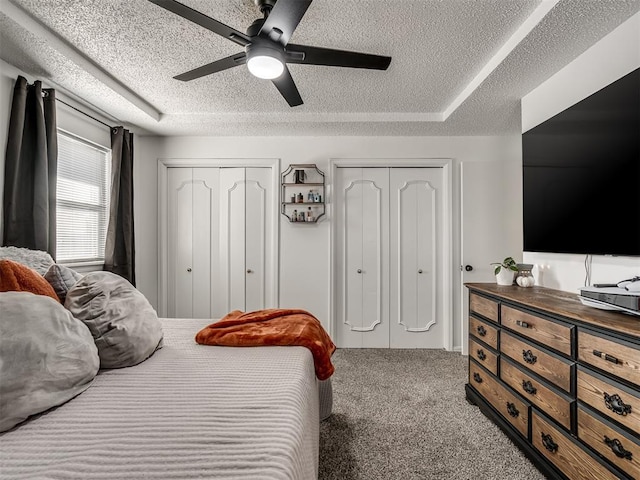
x=266 y=46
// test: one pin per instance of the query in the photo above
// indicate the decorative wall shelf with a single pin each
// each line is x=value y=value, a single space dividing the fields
x=302 y=193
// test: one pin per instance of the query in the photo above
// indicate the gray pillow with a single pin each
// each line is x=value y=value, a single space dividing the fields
x=61 y=279
x=47 y=357
x=34 y=259
x=123 y=323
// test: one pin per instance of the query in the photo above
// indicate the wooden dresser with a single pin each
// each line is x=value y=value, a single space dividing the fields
x=561 y=379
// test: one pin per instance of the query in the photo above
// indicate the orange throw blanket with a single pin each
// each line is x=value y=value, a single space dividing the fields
x=15 y=277
x=281 y=327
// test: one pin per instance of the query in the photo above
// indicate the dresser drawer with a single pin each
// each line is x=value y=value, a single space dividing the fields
x=618 y=447
x=485 y=332
x=510 y=407
x=484 y=356
x=564 y=453
x=619 y=358
x=554 y=404
x=483 y=306
x=549 y=366
x=609 y=397
x=552 y=334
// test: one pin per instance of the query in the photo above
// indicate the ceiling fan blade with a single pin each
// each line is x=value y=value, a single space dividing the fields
x=283 y=20
x=335 y=58
x=213 y=67
x=287 y=87
x=204 y=21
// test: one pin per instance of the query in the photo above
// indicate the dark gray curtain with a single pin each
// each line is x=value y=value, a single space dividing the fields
x=29 y=200
x=120 y=242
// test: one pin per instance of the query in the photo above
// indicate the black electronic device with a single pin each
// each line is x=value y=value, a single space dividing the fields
x=613 y=298
x=581 y=175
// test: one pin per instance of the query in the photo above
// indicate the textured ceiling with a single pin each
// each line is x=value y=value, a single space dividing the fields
x=444 y=79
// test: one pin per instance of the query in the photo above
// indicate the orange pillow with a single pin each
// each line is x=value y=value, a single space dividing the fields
x=15 y=277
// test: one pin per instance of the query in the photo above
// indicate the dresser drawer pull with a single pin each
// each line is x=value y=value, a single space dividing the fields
x=513 y=411
x=481 y=355
x=477 y=377
x=529 y=357
x=522 y=324
x=615 y=404
x=607 y=357
x=528 y=387
x=549 y=444
x=481 y=330
x=617 y=448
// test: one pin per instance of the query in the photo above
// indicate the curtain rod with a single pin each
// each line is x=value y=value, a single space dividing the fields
x=84 y=113
x=46 y=94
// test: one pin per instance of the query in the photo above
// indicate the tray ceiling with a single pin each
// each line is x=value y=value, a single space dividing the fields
x=459 y=67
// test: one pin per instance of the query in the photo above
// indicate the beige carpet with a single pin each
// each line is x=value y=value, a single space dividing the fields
x=402 y=414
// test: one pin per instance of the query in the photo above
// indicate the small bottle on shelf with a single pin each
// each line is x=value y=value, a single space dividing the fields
x=309 y=215
x=294 y=217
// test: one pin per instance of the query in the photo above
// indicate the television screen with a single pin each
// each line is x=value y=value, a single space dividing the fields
x=581 y=175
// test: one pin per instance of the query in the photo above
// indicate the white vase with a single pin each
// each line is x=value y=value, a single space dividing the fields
x=505 y=276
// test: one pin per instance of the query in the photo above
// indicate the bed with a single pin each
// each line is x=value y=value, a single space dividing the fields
x=189 y=411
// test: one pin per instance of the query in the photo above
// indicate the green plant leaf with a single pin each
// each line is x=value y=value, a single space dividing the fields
x=497 y=270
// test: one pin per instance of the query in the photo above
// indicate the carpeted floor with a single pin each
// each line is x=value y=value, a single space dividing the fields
x=402 y=414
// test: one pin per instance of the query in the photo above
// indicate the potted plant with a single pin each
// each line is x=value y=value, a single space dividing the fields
x=505 y=270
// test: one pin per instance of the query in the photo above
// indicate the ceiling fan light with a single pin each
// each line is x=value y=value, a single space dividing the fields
x=265 y=66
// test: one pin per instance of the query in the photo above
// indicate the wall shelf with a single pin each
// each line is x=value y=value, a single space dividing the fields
x=302 y=185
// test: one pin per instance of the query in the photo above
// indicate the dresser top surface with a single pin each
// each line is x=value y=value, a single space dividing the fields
x=562 y=303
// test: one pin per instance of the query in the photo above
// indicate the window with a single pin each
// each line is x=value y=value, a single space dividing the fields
x=83 y=189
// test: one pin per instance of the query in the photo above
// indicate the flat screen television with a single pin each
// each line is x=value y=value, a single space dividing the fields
x=581 y=175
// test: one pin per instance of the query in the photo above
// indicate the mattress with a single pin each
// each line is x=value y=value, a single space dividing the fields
x=189 y=411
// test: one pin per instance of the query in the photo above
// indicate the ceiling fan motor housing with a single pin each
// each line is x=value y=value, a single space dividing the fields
x=260 y=47
x=265 y=6
x=255 y=27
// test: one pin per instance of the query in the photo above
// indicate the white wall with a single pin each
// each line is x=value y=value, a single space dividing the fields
x=305 y=249
x=608 y=60
x=491 y=190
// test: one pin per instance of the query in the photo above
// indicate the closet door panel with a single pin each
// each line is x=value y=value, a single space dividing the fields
x=205 y=239
x=374 y=212
x=415 y=272
x=353 y=227
x=232 y=238
x=363 y=257
x=180 y=242
x=258 y=216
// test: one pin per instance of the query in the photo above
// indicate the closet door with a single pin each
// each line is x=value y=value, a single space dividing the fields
x=362 y=219
x=246 y=212
x=259 y=264
x=416 y=258
x=193 y=205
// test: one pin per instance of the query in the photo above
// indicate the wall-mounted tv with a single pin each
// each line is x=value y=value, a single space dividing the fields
x=581 y=175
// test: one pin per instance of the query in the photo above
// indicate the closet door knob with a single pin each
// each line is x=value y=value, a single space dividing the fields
x=189 y=269
x=249 y=271
x=420 y=271
x=359 y=271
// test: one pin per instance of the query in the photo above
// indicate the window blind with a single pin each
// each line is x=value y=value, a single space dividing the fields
x=83 y=191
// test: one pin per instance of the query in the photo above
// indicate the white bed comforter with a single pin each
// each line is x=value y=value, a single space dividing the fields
x=190 y=411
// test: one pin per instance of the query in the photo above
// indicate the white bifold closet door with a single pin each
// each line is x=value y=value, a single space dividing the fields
x=389 y=267
x=219 y=239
